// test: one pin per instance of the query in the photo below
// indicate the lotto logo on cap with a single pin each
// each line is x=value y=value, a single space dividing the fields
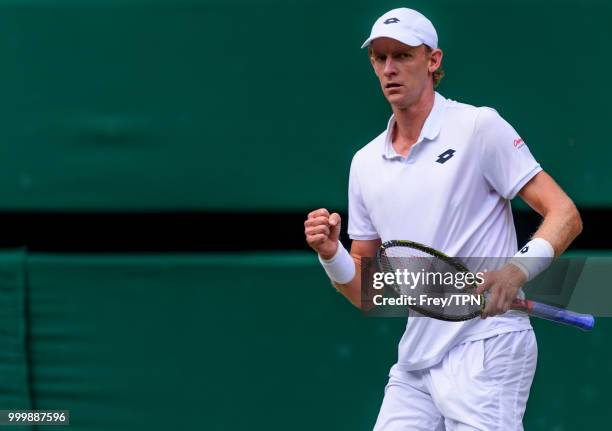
x=405 y=25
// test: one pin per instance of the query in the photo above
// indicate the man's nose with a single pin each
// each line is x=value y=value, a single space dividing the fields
x=389 y=67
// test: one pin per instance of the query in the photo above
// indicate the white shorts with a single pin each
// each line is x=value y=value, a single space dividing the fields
x=479 y=385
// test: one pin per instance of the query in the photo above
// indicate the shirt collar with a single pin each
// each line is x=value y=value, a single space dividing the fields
x=430 y=129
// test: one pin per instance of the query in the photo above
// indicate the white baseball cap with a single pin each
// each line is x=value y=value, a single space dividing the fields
x=405 y=25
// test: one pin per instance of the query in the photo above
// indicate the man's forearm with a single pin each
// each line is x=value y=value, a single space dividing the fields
x=560 y=227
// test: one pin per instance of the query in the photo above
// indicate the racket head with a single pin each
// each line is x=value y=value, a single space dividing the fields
x=401 y=254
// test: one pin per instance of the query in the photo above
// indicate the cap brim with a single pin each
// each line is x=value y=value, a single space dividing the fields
x=406 y=40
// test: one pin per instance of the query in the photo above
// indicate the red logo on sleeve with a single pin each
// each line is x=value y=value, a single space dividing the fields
x=518 y=143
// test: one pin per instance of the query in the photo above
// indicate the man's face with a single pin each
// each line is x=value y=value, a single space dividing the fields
x=403 y=71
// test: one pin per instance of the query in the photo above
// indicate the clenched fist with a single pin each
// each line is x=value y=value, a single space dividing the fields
x=322 y=231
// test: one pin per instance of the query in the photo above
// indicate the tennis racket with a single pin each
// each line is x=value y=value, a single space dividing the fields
x=393 y=256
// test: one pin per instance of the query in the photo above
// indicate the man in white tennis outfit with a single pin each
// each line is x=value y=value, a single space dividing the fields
x=443 y=174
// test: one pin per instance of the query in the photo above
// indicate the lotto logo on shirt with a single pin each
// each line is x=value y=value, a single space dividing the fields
x=518 y=143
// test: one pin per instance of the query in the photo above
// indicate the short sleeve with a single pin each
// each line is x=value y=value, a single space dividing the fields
x=505 y=161
x=360 y=226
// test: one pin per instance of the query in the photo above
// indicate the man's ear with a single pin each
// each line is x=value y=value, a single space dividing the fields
x=435 y=60
x=372 y=61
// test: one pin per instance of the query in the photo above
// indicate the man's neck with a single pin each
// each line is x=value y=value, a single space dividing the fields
x=409 y=122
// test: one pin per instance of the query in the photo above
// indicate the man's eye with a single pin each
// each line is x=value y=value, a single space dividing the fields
x=381 y=57
x=404 y=55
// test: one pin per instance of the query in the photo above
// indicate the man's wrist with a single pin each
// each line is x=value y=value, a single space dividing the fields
x=341 y=267
x=518 y=273
x=328 y=257
x=534 y=257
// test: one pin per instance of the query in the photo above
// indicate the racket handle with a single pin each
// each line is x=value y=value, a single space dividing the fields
x=556 y=314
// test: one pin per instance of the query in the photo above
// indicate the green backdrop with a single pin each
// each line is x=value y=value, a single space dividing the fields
x=254 y=105
x=232 y=342
x=259 y=105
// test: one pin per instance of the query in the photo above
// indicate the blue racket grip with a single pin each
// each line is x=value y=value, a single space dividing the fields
x=582 y=321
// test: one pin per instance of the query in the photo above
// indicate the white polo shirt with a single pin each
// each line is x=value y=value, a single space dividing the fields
x=452 y=192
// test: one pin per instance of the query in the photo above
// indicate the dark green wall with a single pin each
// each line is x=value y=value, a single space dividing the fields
x=260 y=105
x=232 y=342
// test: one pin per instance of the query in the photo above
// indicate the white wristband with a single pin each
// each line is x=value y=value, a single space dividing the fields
x=341 y=267
x=534 y=257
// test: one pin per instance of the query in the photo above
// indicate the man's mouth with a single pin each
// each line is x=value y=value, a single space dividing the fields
x=392 y=85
